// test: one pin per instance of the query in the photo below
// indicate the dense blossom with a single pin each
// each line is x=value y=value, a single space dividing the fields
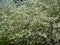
x=31 y=22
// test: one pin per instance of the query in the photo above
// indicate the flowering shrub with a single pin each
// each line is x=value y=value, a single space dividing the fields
x=31 y=22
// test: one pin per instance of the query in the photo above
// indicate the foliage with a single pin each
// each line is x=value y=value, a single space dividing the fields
x=31 y=22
